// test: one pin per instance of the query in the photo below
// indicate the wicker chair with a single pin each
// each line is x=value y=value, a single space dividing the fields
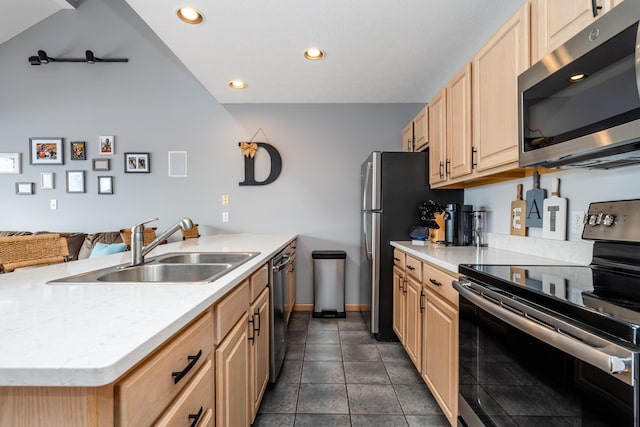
x=190 y=234
x=32 y=250
x=149 y=235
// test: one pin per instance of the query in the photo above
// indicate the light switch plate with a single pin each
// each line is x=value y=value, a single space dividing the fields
x=576 y=222
x=54 y=204
x=225 y=216
x=225 y=200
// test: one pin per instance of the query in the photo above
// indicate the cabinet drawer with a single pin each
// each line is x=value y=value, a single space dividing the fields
x=398 y=258
x=227 y=312
x=439 y=282
x=195 y=401
x=414 y=267
x=259 y=281
x=145 y=393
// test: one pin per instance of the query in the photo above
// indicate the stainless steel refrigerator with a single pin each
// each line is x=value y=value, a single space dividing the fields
x=393 y=186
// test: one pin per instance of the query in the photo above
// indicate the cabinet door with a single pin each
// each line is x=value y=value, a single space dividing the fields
x=407 y=137
x=259 y=350
x=420 y=130
x=559 y=20
x=398 y=303
x=413 y=331
x=458 y=159
x=437 y=137
x=495 y=92
x=440 y=353
x=232 y=378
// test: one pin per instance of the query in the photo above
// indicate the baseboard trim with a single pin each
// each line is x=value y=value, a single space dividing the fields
x=347 y=307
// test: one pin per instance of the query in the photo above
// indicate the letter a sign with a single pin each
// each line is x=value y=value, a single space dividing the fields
x=250 y=150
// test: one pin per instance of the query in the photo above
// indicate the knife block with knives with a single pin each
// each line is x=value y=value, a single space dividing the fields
x=554 y=214
x=518 y=208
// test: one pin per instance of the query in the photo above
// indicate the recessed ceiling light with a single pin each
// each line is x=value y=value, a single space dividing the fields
x=314 y=54
x=237 y=84
x=577 y=77
x=189 y=15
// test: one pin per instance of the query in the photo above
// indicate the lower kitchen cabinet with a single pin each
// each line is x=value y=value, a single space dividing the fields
x=259 y=350
x=399 y=302
x=413 y=323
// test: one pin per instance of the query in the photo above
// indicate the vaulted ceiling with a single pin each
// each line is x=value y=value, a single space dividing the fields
x=377 y=51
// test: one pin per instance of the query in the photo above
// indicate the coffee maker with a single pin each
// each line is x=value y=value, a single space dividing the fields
x=458 y=221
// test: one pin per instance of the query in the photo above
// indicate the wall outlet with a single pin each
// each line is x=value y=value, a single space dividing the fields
x=225 y=216
x=225 y=200
x=576 y=222
x=53 y=204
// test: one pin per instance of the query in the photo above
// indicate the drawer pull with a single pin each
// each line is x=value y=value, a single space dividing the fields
x=259 y=322
x=421 y=301
x=196 y=417
x=435 y=282
x=410 y=267
x=252 y=338
x=396 y=259
x=177 y=376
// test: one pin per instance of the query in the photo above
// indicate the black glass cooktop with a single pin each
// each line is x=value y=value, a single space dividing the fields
x=603 y=299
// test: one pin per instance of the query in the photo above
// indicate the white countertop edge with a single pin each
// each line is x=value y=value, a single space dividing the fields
x=95 y=376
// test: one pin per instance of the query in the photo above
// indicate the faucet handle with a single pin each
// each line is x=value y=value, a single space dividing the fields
x=141 y=225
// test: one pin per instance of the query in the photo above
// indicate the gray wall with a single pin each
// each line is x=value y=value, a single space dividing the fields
x=153 y=104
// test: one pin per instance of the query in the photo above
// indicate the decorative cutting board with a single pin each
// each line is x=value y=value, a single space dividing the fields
x=518 y=207
x=554 y=215
x=535 y=199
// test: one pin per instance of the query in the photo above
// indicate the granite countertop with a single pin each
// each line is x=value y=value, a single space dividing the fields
x=449 y=257
x=90 y=335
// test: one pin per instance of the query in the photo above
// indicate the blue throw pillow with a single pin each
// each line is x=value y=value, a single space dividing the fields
x=101 y=249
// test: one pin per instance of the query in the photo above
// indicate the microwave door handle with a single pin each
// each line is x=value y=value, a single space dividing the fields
x=595 y=356
x=365 y=233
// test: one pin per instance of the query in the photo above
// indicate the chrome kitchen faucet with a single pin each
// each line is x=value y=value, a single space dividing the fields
x=138 y=250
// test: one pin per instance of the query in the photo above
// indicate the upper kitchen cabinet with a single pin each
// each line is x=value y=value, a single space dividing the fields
x=556 y=21
x=495 y=92
x=415 y=134
x=450 y=130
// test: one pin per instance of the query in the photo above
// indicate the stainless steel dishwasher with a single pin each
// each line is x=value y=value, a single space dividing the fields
x=278 y=346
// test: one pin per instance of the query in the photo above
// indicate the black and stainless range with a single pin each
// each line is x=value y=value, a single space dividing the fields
x=556 y=345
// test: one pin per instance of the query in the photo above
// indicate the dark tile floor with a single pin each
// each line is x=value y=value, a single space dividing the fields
x=336 y=374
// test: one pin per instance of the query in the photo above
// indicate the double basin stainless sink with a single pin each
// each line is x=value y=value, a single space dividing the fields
x=171 y=268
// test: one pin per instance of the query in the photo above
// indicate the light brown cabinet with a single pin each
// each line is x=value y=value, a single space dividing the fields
x=413 y=321
x=259 y=350
x=556 y=21
x=450 y=130
x=495 y=93
x=415 y=135
x=399 y=302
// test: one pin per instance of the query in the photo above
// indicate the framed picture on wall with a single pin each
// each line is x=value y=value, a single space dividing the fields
x=137 y=163
x=78 y=150
x=75 y=182
x=105 y=185
x=46 y=151
x=46 y=180
x=107 y=145
x=101 y=164
x=10 y=163
x=25 y=188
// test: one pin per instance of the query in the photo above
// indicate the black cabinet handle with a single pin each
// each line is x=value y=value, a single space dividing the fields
x=396 y=259
x=404 y=286
x=595 y=8
x=447 y=169
x=177 y=376
x=196 y=417
x=259 y=321
x=411 y=267
x=474 y=153
x=421 y=301
x=441 y=170
x=435 y=282
x=252 y=338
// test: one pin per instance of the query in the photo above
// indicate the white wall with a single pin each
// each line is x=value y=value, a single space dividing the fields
x=579 y=186
x=153 y=104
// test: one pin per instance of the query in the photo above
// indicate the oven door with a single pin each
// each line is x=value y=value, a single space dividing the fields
x=508 y=377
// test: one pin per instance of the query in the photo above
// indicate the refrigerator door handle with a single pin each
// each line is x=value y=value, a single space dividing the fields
x=367 y=187
x=367 y=247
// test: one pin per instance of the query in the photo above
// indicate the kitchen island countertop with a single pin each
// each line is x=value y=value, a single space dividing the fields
x=90 y=335
x=449 y=257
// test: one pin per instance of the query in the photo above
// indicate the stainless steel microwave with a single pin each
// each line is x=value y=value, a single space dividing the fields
x=579 y=106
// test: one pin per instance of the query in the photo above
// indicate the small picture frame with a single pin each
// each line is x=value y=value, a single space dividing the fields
x=178 y=164
x=107 y=145
x=46 y=151
x=105 y=185
x=75 y=182
x=25 y=188
x=78 y=150
x=137 y=163
x=10 y=163
x=47 y=181
x=101 y=164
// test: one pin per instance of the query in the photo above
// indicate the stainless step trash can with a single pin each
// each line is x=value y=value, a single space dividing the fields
x=328 y=283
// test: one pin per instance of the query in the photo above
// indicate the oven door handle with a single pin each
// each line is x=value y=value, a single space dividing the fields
x=597 y=357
